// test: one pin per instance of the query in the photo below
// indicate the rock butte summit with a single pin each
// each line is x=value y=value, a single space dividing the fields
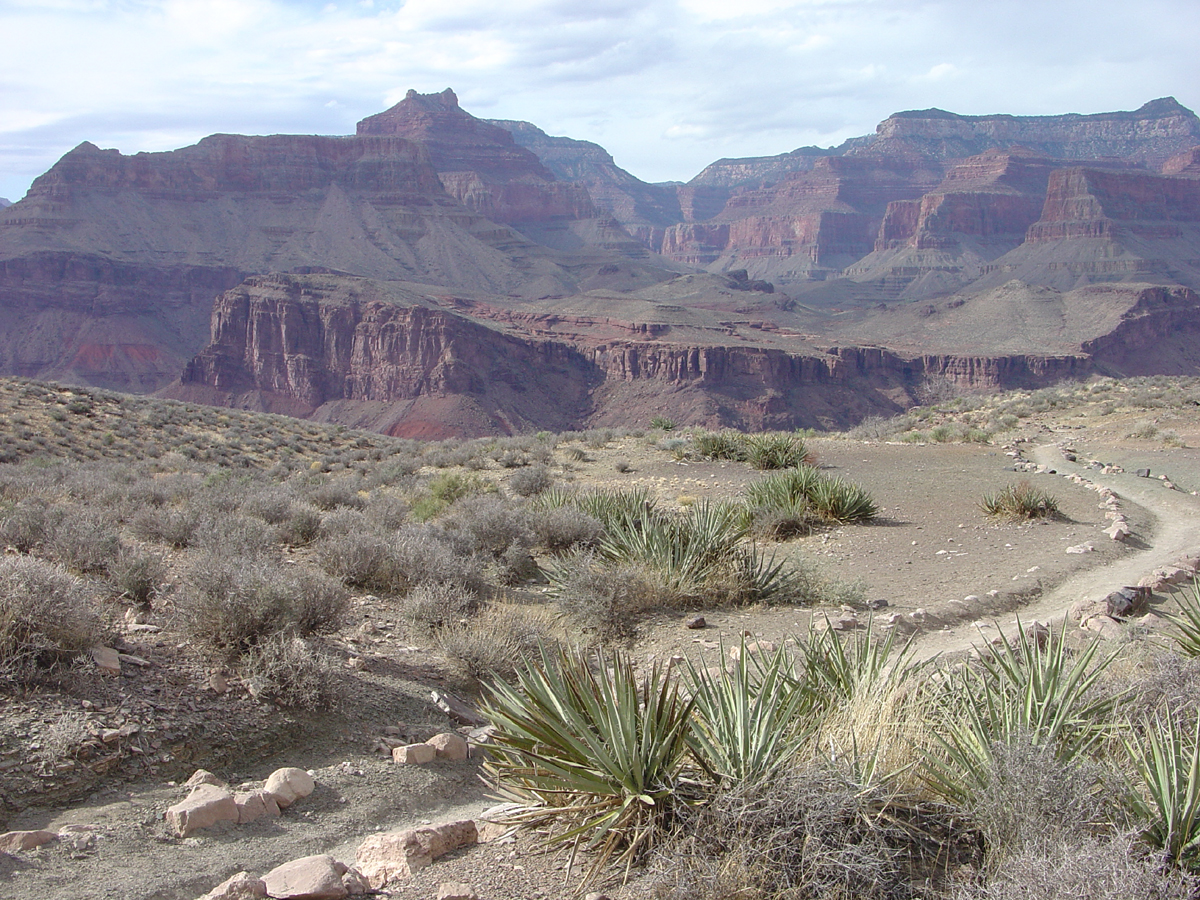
x=439 y=274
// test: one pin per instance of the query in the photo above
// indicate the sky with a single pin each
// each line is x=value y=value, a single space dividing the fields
x=666 y=86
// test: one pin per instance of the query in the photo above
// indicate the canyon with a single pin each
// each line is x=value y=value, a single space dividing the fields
x=437 y=274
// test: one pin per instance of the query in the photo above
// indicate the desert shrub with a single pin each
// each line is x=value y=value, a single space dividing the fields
x=232 y=603
x=318 y=601
x=234 y=533
x=84 y=540
x=490 y=524
x=46 y=617
x=1019 y=501
x=662 y=423
x=136 y=574
x=387 y=511
x=530 y=481
x=809 y=831
x=337 y=492
x=562 y=527
x=444 y=490
x=346 y=521
x=288 y=671
x=604 y=597
x=1114 y=868
x=362 y=560
x=498 y=640
x=594 y=751
x=776 y=451
x=28 y=524
x=174 y=526
x=271 y=504
x=426 y=553
x=300 y=526
x=435 y=604
x=1029 y=798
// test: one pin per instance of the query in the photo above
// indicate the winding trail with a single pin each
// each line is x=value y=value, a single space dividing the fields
x=1175 y=532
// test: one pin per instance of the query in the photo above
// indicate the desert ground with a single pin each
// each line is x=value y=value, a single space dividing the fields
x=931 y=566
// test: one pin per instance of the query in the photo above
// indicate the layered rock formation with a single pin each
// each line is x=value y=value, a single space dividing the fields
x=108 y=267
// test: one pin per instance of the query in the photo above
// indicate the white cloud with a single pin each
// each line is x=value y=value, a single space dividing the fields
x=666 y=85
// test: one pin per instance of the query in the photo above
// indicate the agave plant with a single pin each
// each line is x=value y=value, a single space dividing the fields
x=1187 y=623
x=776 y=451
x=720 y=445
x=1022 y=689
x=1167 y=760
x=750 y=718
x=591 y=751
x=806 y=491
x=837 y=670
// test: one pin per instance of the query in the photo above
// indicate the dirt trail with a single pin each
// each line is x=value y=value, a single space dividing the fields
x=1174 y=532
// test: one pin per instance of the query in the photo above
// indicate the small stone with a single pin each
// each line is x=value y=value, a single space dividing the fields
x=203 y=776
x=760 y=647
x=450 y=746
x=1087 y=547
x=16 y=841
x=877 y=603
x=1106 y=627
x=355 y=882
x=218 y=682
x=1142 y=473
x=242 y=886
x=107 y=660
x=696 y=623
x=309 y=878
x=289 y=785
x=204 y=807
x=414 y=754
x=456 y=890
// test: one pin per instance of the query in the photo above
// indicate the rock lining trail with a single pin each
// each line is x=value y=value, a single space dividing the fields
x=1175 y=532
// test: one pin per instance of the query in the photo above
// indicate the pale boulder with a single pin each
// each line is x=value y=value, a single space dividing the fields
x=450 y=746
x=382 y=858
x=242 y=886
x=16 y=841
x=289 y=785
x=309 y=878
x=456 y=890
x=414 y=754
x=252 y=805
x=204 y=807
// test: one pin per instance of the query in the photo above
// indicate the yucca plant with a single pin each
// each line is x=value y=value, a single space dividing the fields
x=1021 y=689
x=776 y=451
x=720 y=445
x=1186 y=623
x=749 y=719
x=1167 y=760
x=1019 y=501
x=840 y=501
x=591 y=751
x=837 y=670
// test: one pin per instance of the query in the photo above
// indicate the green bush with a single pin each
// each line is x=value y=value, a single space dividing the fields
x=1020 y=501
x=776 y=451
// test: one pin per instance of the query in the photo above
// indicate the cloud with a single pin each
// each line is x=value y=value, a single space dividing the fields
x=667 y=86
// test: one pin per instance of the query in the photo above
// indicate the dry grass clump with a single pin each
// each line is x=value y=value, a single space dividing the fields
x=136 y=575
x=46 y=618
x=500 y=638
x=437 y=604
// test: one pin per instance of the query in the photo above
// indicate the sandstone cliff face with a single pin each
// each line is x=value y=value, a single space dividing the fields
x=480 y=164
x=643 y=209
x=364 y=353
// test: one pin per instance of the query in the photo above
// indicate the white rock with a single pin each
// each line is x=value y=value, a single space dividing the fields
x=289 y=785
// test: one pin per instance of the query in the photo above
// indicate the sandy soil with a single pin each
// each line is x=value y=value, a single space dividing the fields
x=932 y=549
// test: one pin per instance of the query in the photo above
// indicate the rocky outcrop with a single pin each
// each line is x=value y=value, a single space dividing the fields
x=643 y=209
x=359 y=352
x=1149 y=135
x=479 y=163
x=821 y=219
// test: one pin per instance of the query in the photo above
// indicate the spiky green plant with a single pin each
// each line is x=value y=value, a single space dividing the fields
x=841 y=501
x=749 y=718
x=720 y=445
x=1186 y=622
x=614 y=507
x=1019 y=501
x=1167 y=761
x=591 y=751
x=776 y=451
x=836 y=669
x=1026 y=688
x=805 y=494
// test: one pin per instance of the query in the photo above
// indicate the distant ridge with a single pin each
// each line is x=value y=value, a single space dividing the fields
x=4 y=201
